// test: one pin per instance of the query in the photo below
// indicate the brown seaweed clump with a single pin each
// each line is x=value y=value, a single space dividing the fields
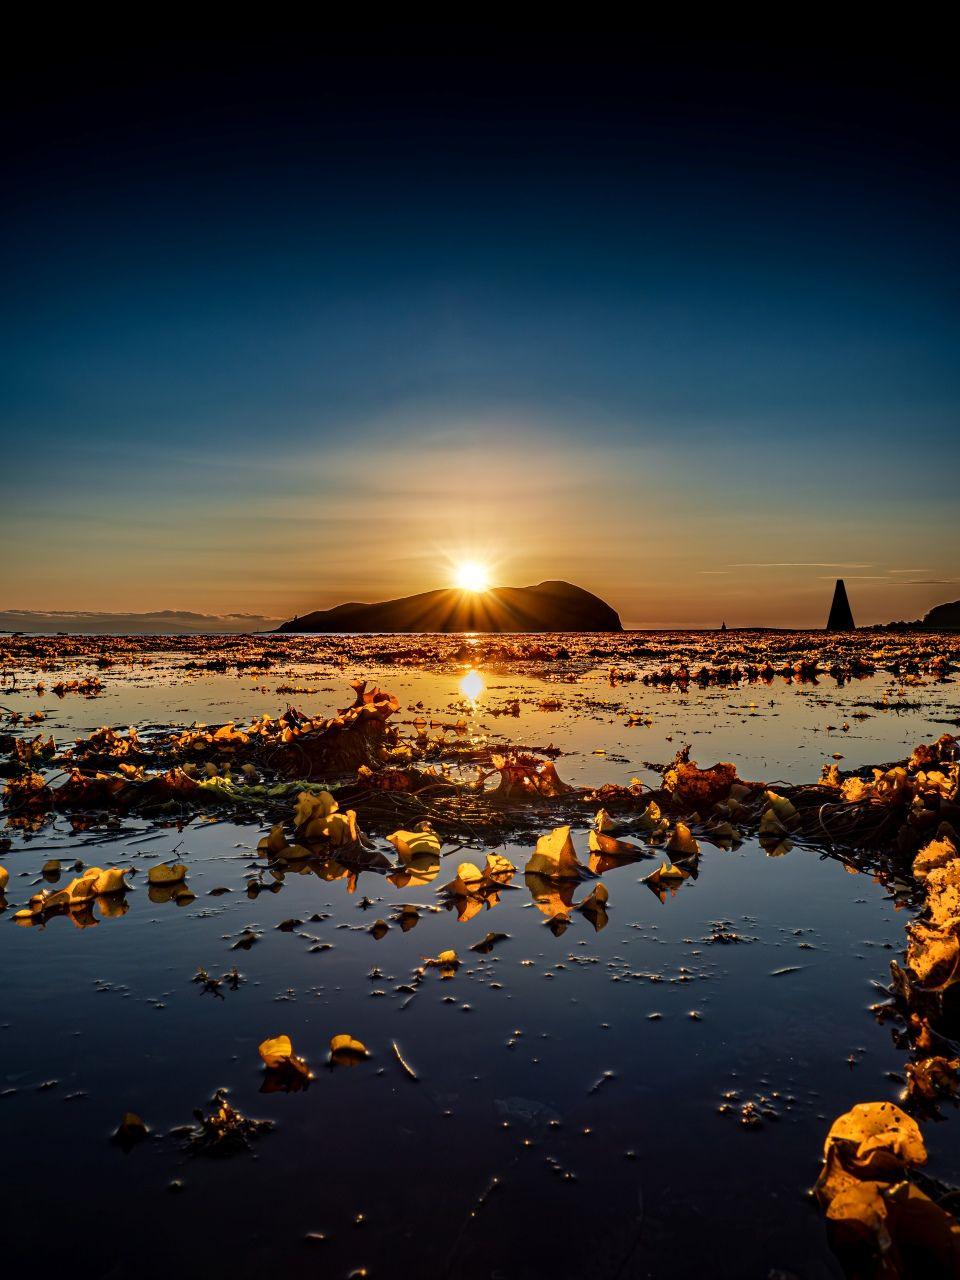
x=224 y=1132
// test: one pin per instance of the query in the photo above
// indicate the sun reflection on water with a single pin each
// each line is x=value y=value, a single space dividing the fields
x=472 y=685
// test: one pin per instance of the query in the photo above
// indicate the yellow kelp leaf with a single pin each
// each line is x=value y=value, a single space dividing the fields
x=159 y=893
x=943 y=895
x=45 y=901
x=346 y=1050
x=682 y=841
x=896 y=1226
x=110 y=881
x=417 y=872
x=315 y=829
x=282 y=1061
x=553 y=898
x=555 y=857
x=167 y=873
x=471 y=891
x=329 y=870
x=770 y=824
x=855 y=789
x=598 y=843
x=830 y=776
x=893 y=783
x=933 y=956
x=80 y=889
x=227 y=733
x=667 y=871
x=415 y=844
x=594 y=907
x=112 y=905
x=447 y=962
x=469 y=876
x=666 y=877
x=420 y=854
x=944 y=784
x=937 y=853
x=82 y=917
x=471 y=905
x=782 y=808
x=730 y=808
x=876 y=1139
x=603 y=822
x=4 y=878
x=775 y=844
x=311 y=808
x=341 y=828
x=498 y=867
x=857 y=1215
x=275 y=843
x=612 y=848
x=276 y=1051
x=651 y=819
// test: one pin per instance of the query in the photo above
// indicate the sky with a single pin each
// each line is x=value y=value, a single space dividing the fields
x=312 y=319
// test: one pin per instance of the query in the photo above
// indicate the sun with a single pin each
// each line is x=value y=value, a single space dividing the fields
x=471 y=575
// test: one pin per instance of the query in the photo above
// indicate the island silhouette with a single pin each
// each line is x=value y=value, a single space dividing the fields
x=548 y=606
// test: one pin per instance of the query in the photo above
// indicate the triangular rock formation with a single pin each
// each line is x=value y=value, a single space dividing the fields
x=841 y=617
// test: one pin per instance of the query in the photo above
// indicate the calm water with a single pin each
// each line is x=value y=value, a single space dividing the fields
x=557 y=1127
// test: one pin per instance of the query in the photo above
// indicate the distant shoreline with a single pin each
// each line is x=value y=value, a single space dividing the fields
x=879 y=628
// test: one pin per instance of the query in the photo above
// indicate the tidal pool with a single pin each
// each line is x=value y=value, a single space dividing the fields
x=649 y=1099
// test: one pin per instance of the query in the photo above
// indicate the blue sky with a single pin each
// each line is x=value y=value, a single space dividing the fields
x=282 y=327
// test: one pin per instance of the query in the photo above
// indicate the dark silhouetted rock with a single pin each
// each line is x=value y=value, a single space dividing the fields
x=841 y=617
x=943 y=617
x=549 y=606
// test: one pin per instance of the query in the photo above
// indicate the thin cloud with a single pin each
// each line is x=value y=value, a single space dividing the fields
x=885 y=578
x=796 y=565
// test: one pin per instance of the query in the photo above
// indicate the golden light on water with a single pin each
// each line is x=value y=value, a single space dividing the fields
x=472 y=685
x=471 y=575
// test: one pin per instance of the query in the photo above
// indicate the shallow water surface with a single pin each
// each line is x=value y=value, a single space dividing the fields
x=578 y=1101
